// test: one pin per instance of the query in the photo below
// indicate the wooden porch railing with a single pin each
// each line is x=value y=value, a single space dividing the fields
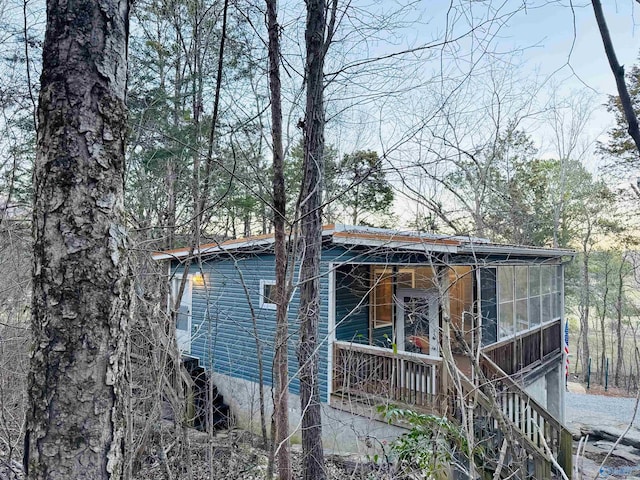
x=504 y=415
x=526 y=416
x=373 y=373
x=501 y=446
x=516 y=354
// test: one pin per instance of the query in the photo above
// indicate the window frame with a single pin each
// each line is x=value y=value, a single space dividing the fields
x=266 y=304
x=557 y=288
x=377 y=274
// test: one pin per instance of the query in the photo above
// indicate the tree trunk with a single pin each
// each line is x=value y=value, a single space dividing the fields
x=620 y=349
x=75 y=424
x=603 y=318
x=311 y=236
x=584 y=318
x=281 y=355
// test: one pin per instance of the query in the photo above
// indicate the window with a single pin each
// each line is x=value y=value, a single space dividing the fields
x=384 y=280
x=382 y=296
x=461 y=298
x=268 y=294
x=506 y=325
x=406 y=278
x=528 y=296
x=425 y=277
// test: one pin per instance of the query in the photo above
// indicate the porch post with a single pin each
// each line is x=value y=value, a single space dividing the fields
x=331 y=329
x=447 y=355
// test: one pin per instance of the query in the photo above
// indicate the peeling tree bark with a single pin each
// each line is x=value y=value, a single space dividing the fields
x=75 y=424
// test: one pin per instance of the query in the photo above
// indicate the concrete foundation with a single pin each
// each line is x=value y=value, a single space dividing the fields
x=547 y=388
x=342 y=432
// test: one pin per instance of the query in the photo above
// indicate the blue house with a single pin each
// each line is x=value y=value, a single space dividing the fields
x=400 y=311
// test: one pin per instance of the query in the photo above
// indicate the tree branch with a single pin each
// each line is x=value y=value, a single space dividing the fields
x=618 y=73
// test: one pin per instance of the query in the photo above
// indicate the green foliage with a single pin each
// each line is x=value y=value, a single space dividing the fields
x=430 y=446
x=515 y=197
x=620 y=148
x=362 y=188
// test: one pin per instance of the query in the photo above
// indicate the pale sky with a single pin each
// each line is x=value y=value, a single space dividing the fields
x=555 y=42
x=579 y=57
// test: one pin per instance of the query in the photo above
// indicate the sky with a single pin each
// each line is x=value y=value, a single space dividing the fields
x=576 y=53
x=557 y=43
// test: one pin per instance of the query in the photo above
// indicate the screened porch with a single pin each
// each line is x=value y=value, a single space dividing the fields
x=389 y=327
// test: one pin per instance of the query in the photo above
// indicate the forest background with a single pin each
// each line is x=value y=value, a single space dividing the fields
x=483 y=118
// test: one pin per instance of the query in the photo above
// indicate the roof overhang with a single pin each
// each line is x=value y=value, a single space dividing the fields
x=515 y=250
x=214 y=248
x=399 y=245
x=374 y=238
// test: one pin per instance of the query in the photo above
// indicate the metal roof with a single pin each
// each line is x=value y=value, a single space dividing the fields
x=401 y=240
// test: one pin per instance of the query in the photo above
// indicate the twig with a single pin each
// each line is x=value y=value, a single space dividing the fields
x=503 y=453
x=551 y=457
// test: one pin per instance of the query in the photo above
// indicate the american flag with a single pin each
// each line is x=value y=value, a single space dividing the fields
x=566 y=348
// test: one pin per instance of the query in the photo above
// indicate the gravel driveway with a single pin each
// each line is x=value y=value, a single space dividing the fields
x=599 y=410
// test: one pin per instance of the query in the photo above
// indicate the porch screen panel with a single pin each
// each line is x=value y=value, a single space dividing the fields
x=547 y=286
x=521 y=297
x=488 y=305
x=534 y=295
x=506 y=323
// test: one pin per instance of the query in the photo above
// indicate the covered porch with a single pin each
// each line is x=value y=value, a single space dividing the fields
x=393 y=321
x=389 y=332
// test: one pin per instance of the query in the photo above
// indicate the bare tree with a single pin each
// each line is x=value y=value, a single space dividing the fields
x=317 y=41
x=75 y=426
x=281 y=353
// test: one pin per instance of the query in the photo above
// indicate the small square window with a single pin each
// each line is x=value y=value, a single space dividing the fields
x=268 y=294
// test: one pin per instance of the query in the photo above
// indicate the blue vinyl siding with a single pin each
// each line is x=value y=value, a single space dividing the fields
x=227 y=342
x=352 y=303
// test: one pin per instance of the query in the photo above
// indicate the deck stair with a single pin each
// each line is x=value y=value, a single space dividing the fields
x=220 y=413
x=514 y=430
x=518 y=437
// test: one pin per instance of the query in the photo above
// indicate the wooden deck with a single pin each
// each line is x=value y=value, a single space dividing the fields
x=504 y=415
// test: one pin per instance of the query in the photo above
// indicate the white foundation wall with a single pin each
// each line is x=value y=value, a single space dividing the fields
x=342 y=432
x=538 y=390
x=548 y=390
